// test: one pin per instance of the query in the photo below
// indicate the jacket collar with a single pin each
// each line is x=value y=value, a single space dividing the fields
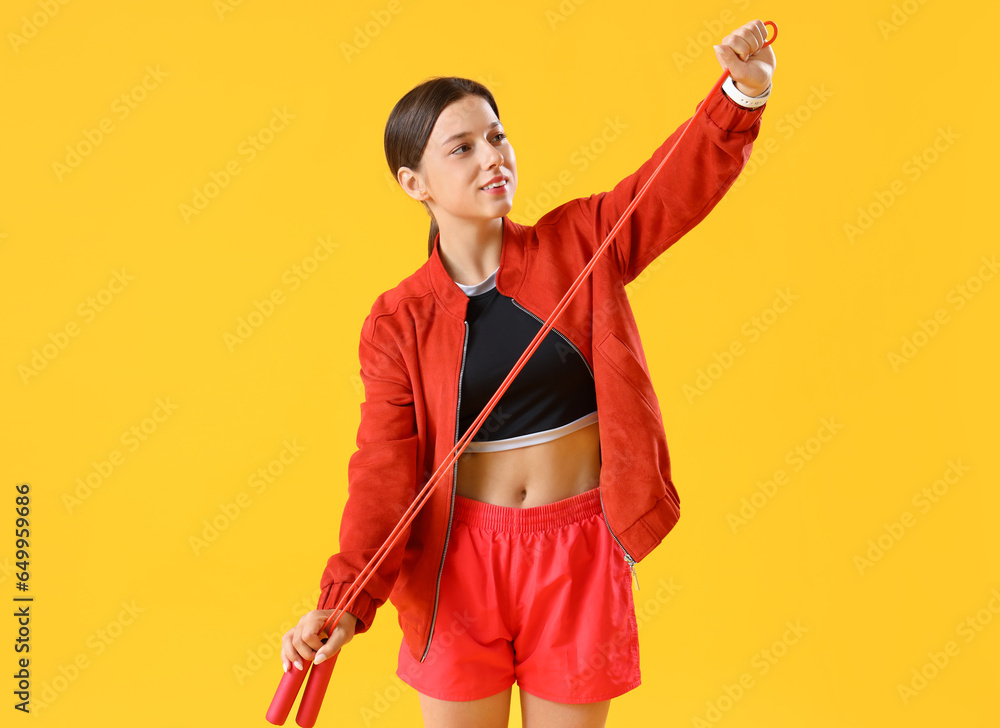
x=508 y=275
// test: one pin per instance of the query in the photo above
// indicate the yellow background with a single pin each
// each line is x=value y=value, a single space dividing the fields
x=860 y=89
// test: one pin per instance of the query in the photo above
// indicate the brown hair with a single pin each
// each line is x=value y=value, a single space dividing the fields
x=412 y=119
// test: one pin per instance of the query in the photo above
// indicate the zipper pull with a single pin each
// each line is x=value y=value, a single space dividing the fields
x=631 y=566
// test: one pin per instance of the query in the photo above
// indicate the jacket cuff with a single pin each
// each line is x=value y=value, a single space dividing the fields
x=363 y=608
x=728 y=115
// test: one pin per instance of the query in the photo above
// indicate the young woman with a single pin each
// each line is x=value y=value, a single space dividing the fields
x=519 y=569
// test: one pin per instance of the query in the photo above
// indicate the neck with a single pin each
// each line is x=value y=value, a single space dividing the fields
x=471 y=251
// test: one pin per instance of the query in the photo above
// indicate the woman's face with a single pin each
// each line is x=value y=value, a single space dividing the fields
x=467 y=150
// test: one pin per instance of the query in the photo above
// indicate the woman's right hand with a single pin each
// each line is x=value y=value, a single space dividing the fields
x=743 y=54
x=305 y=641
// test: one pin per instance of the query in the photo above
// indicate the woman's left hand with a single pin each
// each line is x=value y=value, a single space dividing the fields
x=747 y=59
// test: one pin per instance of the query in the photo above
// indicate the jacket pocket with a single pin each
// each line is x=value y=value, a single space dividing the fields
x=621 y=357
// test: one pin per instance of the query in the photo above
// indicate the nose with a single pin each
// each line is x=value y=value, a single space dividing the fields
x=492 y=157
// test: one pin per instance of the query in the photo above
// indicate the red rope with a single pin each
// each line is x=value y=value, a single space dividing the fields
x=319 y=677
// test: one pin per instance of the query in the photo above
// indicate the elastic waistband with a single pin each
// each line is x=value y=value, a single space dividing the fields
x=564 y=512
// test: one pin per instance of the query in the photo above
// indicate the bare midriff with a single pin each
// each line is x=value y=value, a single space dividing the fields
x=534 y=475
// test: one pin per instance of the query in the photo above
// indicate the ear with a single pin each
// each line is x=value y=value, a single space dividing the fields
x=412 y=183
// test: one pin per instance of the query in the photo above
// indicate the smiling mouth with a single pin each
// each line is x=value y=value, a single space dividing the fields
x=494 y=185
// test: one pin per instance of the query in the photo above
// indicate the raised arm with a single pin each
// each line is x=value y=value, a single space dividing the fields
x=698 y=174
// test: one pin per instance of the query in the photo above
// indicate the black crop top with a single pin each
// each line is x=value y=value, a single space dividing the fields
x=551 y=396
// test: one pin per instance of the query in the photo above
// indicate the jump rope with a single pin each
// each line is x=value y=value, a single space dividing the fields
x=319 y=676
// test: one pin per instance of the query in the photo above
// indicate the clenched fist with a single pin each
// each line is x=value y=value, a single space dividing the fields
x=747 y=59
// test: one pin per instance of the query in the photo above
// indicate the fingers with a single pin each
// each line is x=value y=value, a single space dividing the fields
x=293 y=650
x=342 y=634
x=747 y=39
x=289 y=656
x=305 y=641
x=744 y=55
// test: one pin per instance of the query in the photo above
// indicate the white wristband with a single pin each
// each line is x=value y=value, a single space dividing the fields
x=750 y=102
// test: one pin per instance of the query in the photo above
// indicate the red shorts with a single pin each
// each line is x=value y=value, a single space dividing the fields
x=541 y=596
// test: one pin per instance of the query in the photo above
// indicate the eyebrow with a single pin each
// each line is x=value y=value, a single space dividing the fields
x=462 y=134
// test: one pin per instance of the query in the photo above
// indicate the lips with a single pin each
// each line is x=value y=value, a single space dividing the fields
x=496 y=181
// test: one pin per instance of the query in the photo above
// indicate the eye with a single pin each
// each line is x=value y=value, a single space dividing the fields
x=500 y=136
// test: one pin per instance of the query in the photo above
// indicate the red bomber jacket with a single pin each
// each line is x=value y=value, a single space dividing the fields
x=412 y=354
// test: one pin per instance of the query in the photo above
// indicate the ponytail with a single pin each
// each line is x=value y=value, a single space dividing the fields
x=430 y=237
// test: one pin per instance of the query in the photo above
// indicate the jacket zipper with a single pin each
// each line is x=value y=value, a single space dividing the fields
x=454 y=487
x=628 y=557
